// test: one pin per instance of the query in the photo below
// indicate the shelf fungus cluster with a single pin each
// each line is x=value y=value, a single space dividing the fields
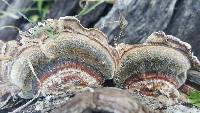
x=60 y=56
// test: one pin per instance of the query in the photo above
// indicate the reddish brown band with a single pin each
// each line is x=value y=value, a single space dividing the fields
x=150 y=76
x=73 y=66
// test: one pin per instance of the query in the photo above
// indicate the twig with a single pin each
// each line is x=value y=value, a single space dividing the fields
x=108 y=1
x=3 y=27
x=89 y=9
x=23 y=106
x=5 y=102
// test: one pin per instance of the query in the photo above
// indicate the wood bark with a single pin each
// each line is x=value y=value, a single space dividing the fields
x=106 y=100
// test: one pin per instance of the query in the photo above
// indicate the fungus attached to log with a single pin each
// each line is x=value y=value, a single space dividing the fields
x=157 y=67
x=65 y=57
x=60 y=57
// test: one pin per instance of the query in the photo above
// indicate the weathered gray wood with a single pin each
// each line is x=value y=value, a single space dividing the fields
x=105 y=100
x=194 y=77
x=92 y=17
x=185 y=23
x=62 y=8
x=143 y=17
x=3 y=6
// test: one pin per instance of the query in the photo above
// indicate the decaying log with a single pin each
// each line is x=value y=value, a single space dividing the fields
x=107 y=100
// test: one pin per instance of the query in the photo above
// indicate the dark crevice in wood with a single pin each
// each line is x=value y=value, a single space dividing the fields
x=192 y=84
x=90 y=110
x=177 y=5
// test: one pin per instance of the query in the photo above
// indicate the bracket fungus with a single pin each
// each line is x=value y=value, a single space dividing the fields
x=61 y=55
x=156 y=68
